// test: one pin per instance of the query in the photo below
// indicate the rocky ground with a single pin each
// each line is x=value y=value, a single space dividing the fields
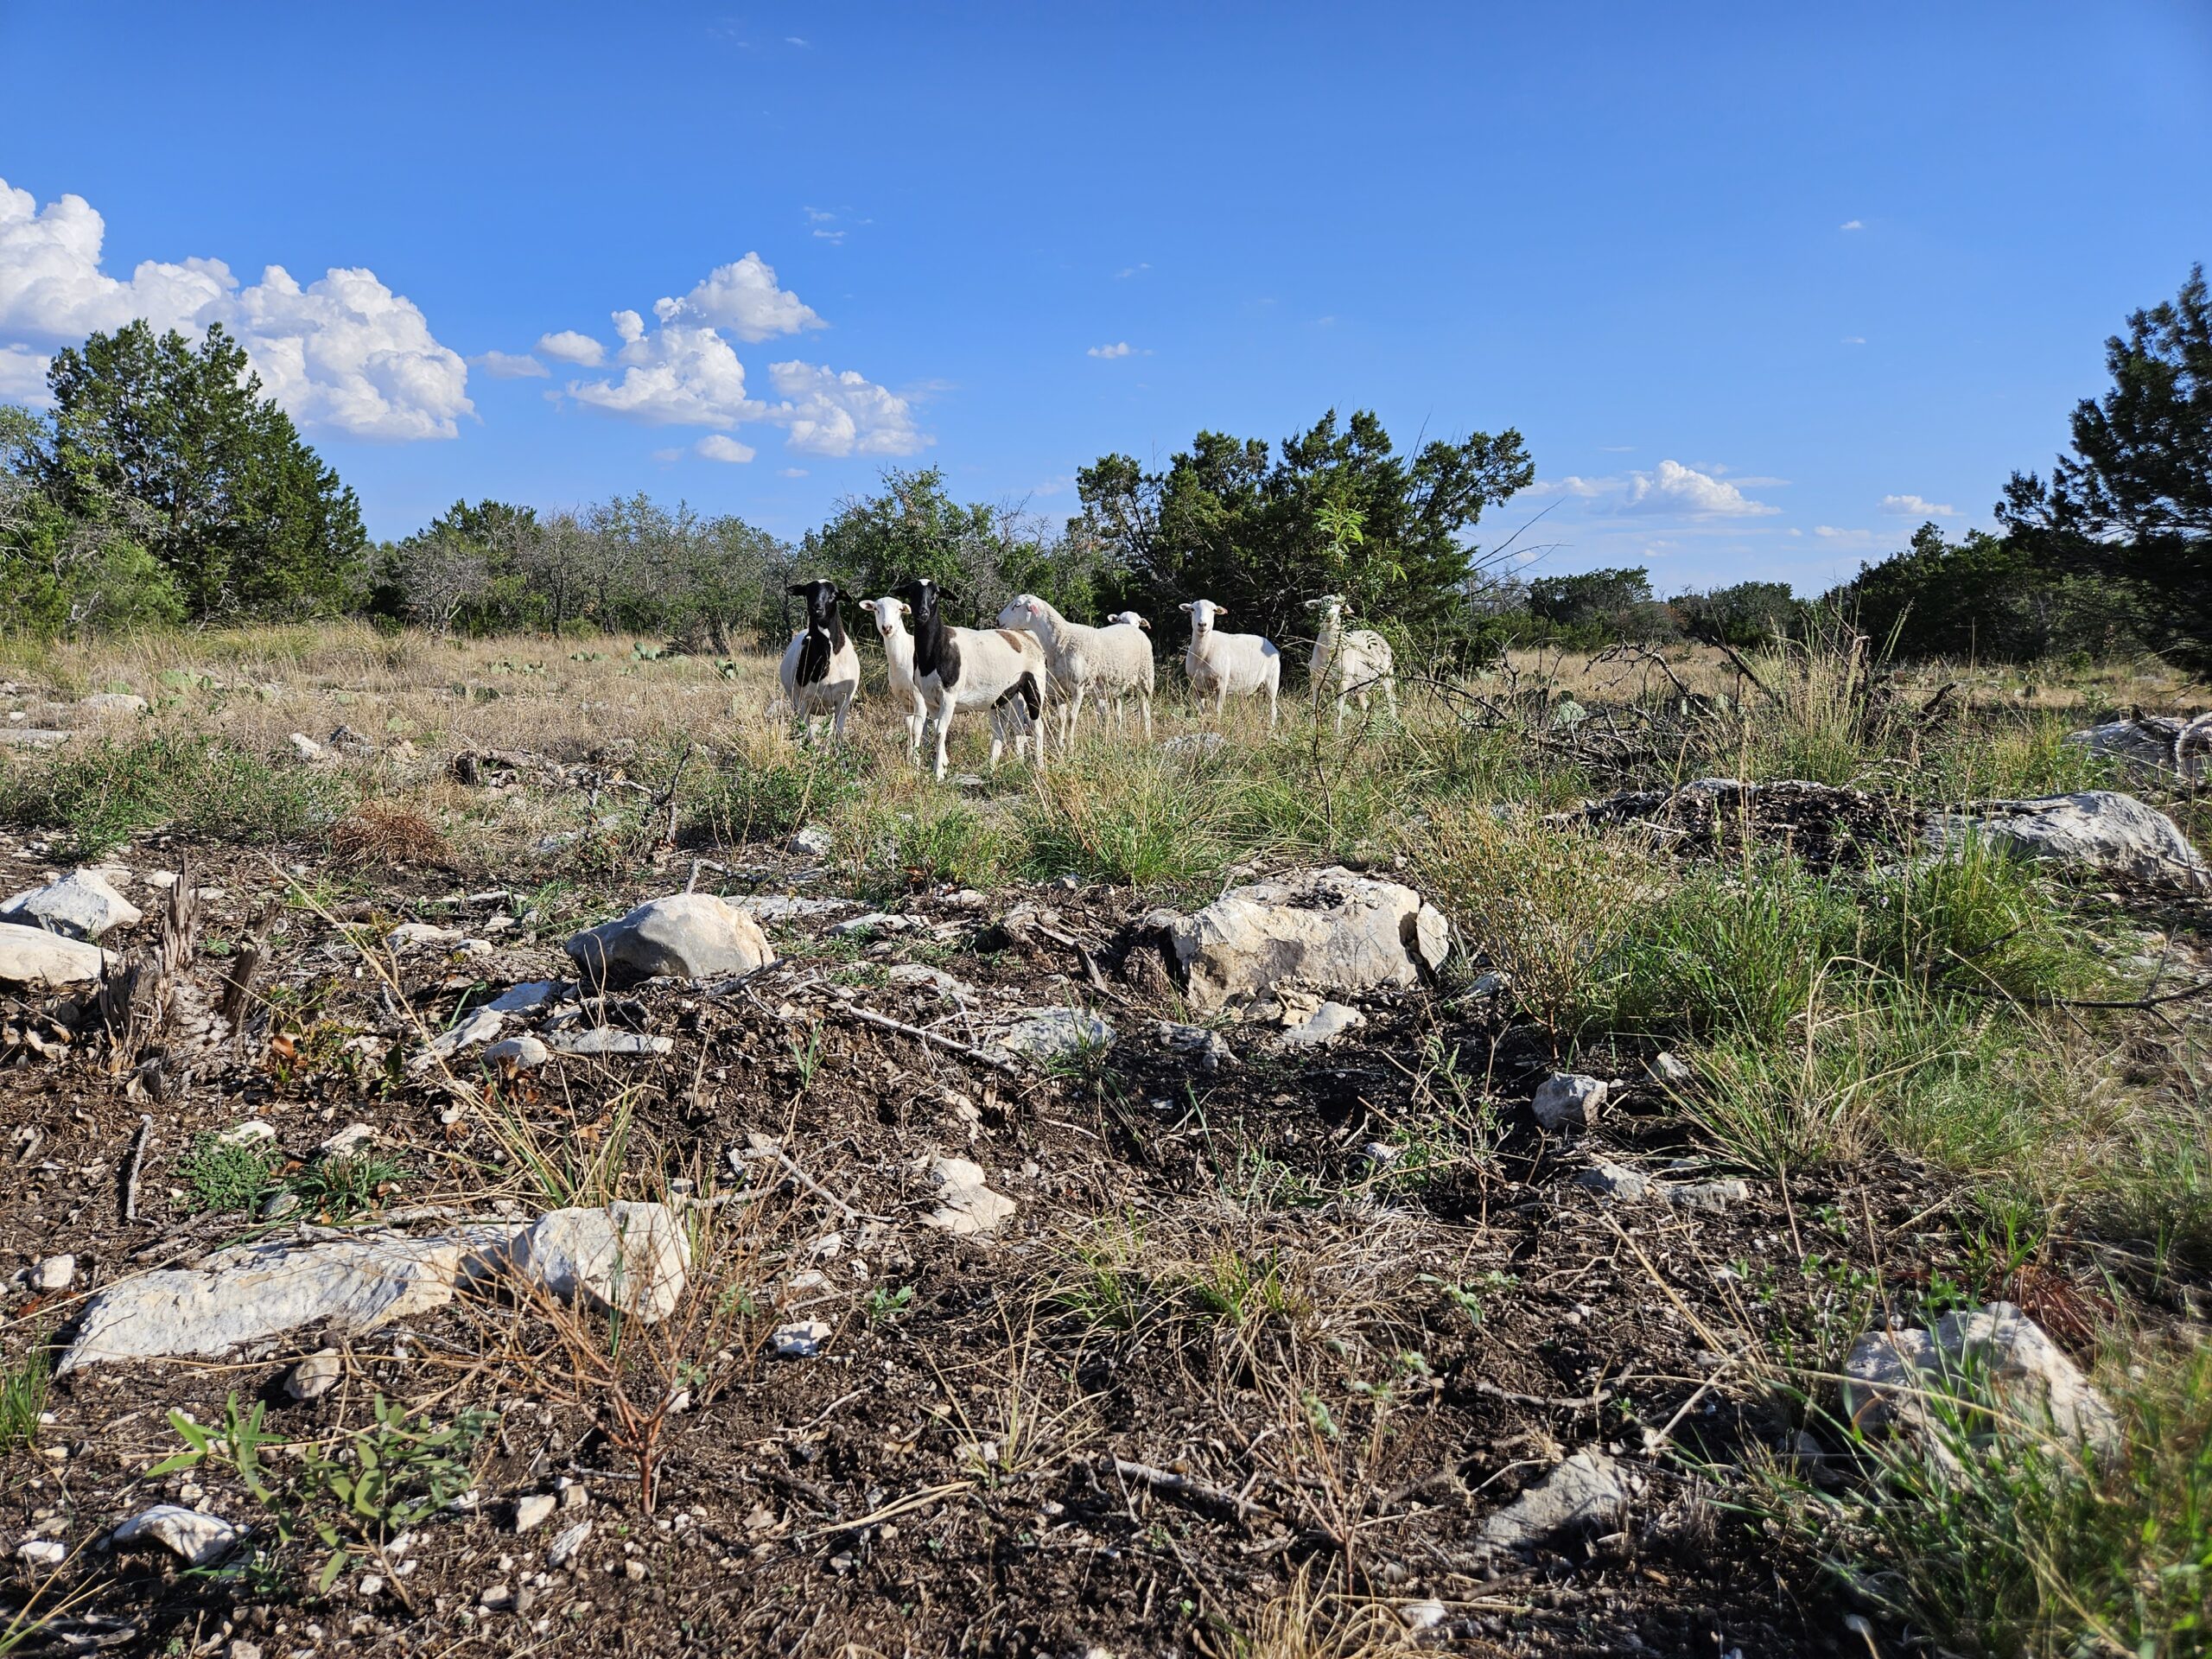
x=713 y=1258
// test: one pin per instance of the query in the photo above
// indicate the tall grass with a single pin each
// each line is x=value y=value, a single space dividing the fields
x=102 y=792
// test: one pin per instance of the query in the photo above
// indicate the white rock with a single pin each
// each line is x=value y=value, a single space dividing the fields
x=1993 y=1355
x=1422 y=1615
x=690 y=935
x=802 y=1339
x=523 y=1052
x=965 y=1205
x=420 y=935
x=482 y=1025
x=43 y=1554
x=564 y=1549
x=55 y=1273
x=1058 y=1033
x=812 y=842
x=308 y=749
x=82 y=904
x=523 y=998
x=33 y=959
x=1617 y=1181
x=1671 y=1068
x=1329 y=1021
x=2097 y=830
x=1711 y=1196
x=316 y=1375
x=790 y=907
x=1330 y=930
x=114 y=703
x=348 y=1141
x=1589 y=1492
x=629 y=1257
x=196 y=1537
x=2161 y=746
x=606 y=1040
x=253 y=1132
x=919 y=973
x=534 y=1510
x=252 y=1292
x=1212 y=1050
x=1568 y=1101
x=875 y=924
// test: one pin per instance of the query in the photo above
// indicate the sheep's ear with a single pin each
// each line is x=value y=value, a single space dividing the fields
x=905 y=609
x=1146 y=626
x=797 y=590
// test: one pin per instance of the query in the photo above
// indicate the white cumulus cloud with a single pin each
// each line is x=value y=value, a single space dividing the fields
x=1852 y=224
x=569 y=347
x=1918 y=506
x=717 y=446
x=510 y=365
x=678 y=375
x=343 y=351
x=22 y=375
x=833 y=413
x=1671 y=488
x=1119 y=348
x=744 y=298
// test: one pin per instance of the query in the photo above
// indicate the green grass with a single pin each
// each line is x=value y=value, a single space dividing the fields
x=103 y=793
x=1127 y=818
x=22 y=1399
x=346 y=1184
x=219 y=1177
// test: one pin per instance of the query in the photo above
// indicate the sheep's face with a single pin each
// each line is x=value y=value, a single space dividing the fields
x=887 y=612
x=821 y=599
x=1331 y=608
x=1203 y=612
x=1022 y=612
x=1127 y=619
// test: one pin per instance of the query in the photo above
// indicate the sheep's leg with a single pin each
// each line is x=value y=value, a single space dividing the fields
x=944 y=712
x=837 y=722
x=1147 y=716
x=1074 y=710
x=1340 y=712
x=1390 y=695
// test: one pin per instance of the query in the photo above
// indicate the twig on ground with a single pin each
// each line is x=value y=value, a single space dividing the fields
x=884 y=1022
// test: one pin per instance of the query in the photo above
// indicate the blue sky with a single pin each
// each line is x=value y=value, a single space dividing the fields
x=1761 y=289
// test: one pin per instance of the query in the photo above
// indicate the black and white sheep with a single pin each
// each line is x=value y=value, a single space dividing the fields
x=975 y=668
x=821 y=671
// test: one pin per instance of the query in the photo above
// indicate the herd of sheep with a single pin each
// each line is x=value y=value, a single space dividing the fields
x=1036 y=654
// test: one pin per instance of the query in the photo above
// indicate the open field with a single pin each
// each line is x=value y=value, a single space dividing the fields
x=1278 y=1341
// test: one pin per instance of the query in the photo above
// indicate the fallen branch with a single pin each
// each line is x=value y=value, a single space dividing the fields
x=1168 y=1483
x=1543 y=1401
x=135 y=1165
x=884 y=1022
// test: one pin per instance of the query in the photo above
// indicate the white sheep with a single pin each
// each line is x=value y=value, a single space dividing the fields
x=1350 y=664
x=1111 y=661
x=1131 y=619
x=1219 y=664
x=821 y=671
x=890 y=616
x=975 y=668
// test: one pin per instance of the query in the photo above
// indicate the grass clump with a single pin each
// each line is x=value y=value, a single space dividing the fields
x=387 y=833
x=1128 y=818
x=104 y=792
x=22 y=1399
x=766 y=795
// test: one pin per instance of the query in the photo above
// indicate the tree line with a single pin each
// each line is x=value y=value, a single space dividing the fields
x=163 y=489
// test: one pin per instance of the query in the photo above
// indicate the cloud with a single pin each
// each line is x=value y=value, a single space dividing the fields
x=1137 y=269
x=719 y=447
x=629 y=327
x=1119 y=348
x=23 y=377
x=795 y=40
x=510 y=365
x=1854 y=340
x=569 y=347
x=1848 y=538
x=678 y=375
x=343 y=351
x=744 y=298
x=832 y=413
x=790 y=472
x=1852 y=224
x=1672 y=489
x=1918 y=506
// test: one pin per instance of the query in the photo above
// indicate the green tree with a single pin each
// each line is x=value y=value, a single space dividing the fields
x=1336 y=509
x=2133 y=502
x=1986 y=596
x=1597 y=606
x=248 y=520
x=1743 y=613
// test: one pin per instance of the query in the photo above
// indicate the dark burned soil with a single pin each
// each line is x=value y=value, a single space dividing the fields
x=1282 y=1334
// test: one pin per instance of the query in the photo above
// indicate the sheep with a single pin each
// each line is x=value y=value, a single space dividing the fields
x=890 y=616
x=1131 y=619
x=1219 y=664
x=821 y=671
x=1352 y=664
x=1113 y=661
x=974 y=668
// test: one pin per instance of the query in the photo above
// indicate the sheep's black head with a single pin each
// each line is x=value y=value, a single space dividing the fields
x=821 y=599
x=921 y=593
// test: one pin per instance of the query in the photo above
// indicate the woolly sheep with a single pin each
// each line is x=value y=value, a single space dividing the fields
x=821 y=671
x=890 y=616
x=974 y=668
x=1111 y=661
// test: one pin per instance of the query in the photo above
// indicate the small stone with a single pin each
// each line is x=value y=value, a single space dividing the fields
x=800 y=1340
x=1329 y=1021
x=1671 y=1068
x=316 y=1375
x=1212 y=1050
x=1058 y=1033
x=348 y=1141
x=1586 y=1493
x=965 y=1205
x=42 y=1552
x=1711 y=1196
x=575 y=1494
x=524 y=1052
x=1421 y=1615
x=812 y=842
x=242 y=1648
x=525 y=997
x=1568 y=1101
x=197 y=1539
x=371 y=1586
x=114 y=703
x=278 y=1206
x=534 y=1510
x=605 y=1041
x=55 y=1273
x=308 y=749
x=564 y=1549
x=83 y=904
x=497 y=1598
x=420 y=935
x=1616 y=1181
x=251 y=1133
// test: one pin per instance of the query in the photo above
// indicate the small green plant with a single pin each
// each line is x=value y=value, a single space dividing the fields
x=807 y=1056
x=884 y=1306
x=23 y=1400
x=342 y=1185
x=219 y=1175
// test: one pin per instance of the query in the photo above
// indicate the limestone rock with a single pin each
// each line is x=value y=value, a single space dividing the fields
x=482 y=1025
x=534 y=1509
x=524 y=1052
x=531 y=995
x=35 y=960
x=114 y=703
x=1058 y=1033
x=2099 y=829
x=1589 y=1492
x=1568 y=1100
x=1992 y=1355
x=965 y=1205
x=1209 y=1048
x=791 y=907
x=606 y=1040
x=420 y=935
x=1330 y=930
x=316 y=1375
x=54 y=1275
x=1616 y=1181
x=252 y=1292
x=812 y=842
x=1329 y=1021
x=1712 y=1198
x=82 y=904
x=195 y=1538
x=802 y=1339
x=689 y=935
x=2159 y=747
x=630 y=1257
